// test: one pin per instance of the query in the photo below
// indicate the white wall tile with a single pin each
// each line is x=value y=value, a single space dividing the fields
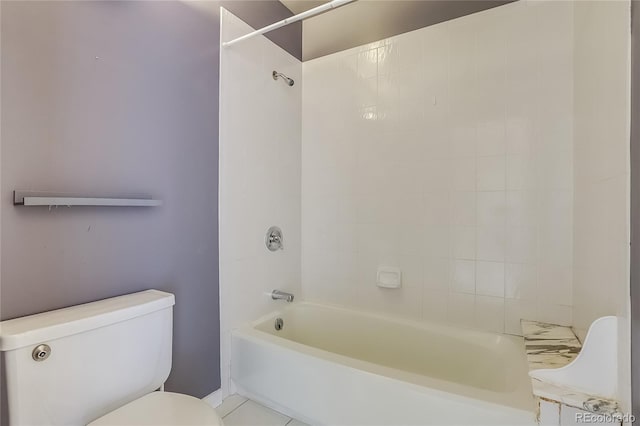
x=554 y=314
x=437 y=241
x=438 y=209
x=411 y=239
x=411 y=267
x=520 y=172
x=463 y=140
x=490 y=243
x=490 y=279
x=491 y=137
x=555 y=283
x=254 y=195
x=521 y=208
x=434 y=305
x=601 y=171
x=463 y=276
x=489 y=313
x=516 y=310
x=405 y=302
x=464 y=208
x=520 y=281
x=409 y=51
x=366 y=91
x=368 y=64
x=461 y=309
x=448 y=154
x=491 y=173
x=491 y=209
x=464 y=174
x=521 y=244
x=436 y=273
x=436 y=170
x=520 y=128
x=464 y=242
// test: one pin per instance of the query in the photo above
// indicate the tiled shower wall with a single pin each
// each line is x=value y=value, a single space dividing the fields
x=447 y=152
x=259 y=179
x=601 y=155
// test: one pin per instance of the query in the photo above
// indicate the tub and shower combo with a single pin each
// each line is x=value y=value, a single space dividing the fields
x=329 y=365
x=349 y=150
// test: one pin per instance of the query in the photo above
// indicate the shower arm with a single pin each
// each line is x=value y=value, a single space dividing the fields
x=287 y=80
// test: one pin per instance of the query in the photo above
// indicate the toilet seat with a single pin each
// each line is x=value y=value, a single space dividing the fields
x=162 y=408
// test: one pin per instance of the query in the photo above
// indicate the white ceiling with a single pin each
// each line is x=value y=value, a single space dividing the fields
x=365 y=21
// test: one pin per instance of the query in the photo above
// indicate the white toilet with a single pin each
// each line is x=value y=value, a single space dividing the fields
x=100 y=363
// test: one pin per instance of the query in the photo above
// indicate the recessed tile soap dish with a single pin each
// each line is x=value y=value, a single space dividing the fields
x=389 y=277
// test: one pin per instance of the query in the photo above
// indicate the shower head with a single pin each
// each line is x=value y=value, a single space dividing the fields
x=286 y=79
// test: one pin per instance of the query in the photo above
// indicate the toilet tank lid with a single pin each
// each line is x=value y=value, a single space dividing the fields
x=39 y=328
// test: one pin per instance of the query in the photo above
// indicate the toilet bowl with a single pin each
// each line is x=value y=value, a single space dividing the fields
x=100 y=363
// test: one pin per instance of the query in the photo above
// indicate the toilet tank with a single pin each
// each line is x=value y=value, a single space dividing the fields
x=102 y=355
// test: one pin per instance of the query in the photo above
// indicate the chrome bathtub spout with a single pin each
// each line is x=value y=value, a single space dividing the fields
x=281 y=295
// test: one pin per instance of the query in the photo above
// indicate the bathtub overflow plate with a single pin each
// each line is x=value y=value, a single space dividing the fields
x=279 y=324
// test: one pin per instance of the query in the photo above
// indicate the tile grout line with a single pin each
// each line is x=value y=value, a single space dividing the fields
x=247 y=400
x=240 y=405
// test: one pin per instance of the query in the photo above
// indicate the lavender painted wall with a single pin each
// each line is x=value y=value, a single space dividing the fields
x=118 y=97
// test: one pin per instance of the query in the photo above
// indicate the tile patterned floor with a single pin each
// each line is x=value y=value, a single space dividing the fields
x=236 y=410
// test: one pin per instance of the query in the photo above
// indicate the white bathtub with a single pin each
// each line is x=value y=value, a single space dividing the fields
x=334 y=366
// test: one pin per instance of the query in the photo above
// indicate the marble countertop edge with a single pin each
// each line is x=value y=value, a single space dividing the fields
x=576 y=399
x=554 y=346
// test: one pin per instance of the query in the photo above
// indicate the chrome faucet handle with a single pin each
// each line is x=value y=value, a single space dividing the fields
x=274 y=239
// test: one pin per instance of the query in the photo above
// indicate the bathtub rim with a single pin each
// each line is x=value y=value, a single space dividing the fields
x=520 y=400
x=427 y=324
